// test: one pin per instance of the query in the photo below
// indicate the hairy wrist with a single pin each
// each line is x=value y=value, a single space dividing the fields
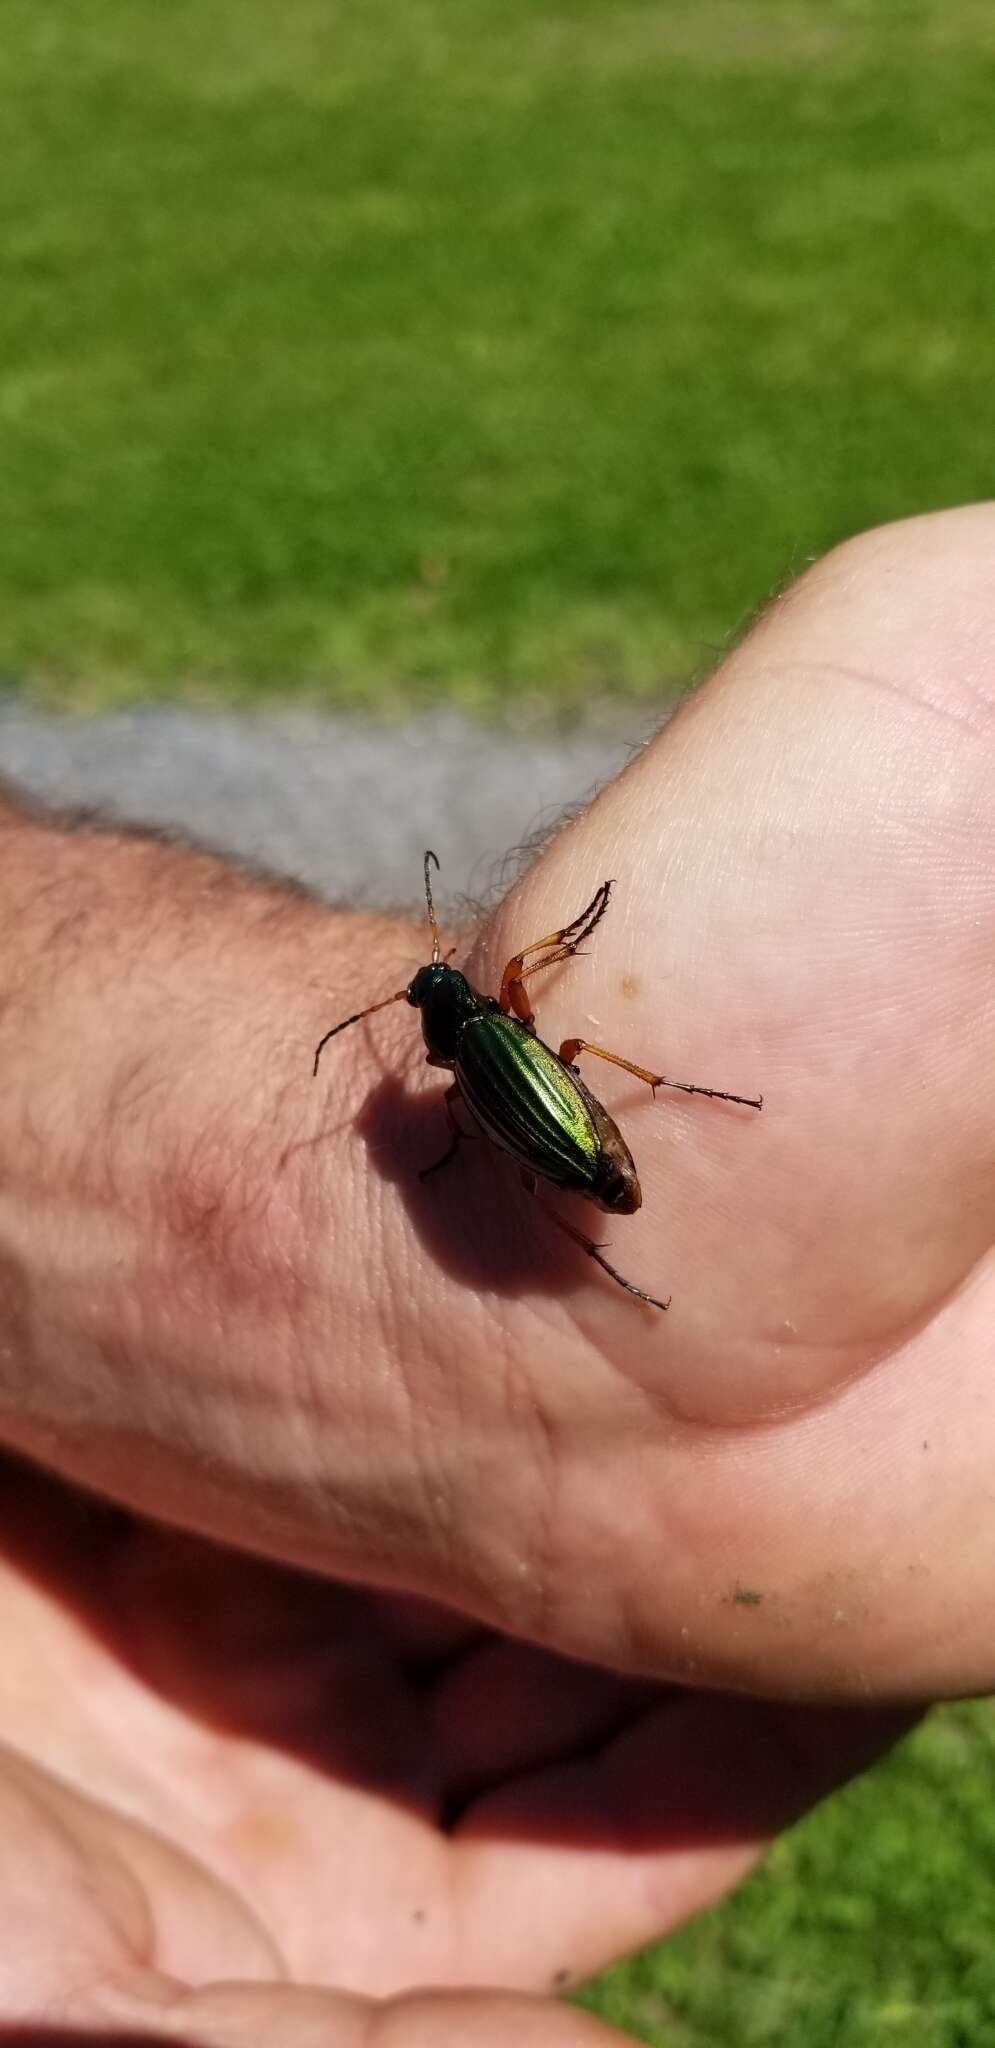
x=187 y=1236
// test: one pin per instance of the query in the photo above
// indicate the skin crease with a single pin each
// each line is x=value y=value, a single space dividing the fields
x=226 y=1299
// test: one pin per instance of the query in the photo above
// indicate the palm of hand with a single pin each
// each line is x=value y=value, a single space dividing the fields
x=280 y=1779
x=811 y=1421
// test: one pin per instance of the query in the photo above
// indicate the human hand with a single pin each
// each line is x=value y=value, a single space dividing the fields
x=230 y=1300
x=239 y=1803
x=228 y=1297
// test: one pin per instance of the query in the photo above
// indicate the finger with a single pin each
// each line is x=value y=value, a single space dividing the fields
x=668 y=1817
x=88 y=1897
x=256 y=2016
x=508 y=1707
x=420 y=1634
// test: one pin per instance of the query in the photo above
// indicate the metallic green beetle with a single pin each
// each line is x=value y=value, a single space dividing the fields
x=528 y=1099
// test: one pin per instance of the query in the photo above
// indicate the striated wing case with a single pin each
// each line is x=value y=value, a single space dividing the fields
x=527 y=1100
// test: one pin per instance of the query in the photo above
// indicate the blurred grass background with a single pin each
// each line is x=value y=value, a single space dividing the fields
x=503 y=353
x=869 y=1926
x=510 y=355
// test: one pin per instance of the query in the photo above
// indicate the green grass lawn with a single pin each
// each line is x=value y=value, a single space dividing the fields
x=490 y=351
x=872 y=1924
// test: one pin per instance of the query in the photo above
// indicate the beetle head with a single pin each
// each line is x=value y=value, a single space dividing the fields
x=447 y=1003
x=427 y=983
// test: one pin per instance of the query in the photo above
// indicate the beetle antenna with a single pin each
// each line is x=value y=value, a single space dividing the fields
x=346 y=1021
x=436 y=947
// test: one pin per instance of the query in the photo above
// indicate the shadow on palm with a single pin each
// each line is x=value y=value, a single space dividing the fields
x=481 y=1748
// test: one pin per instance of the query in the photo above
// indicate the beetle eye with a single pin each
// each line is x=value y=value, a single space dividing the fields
x=418 y=989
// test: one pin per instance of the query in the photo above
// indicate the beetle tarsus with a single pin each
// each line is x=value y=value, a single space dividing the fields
x=587 y=1244
x=716 y=1094
x=564 y=945
x=629 y=1285
x=572 y=1047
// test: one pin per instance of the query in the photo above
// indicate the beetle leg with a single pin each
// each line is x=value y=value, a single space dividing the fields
x=564 y=943
x=594 y=1251
x=572 y=1046
x=514 y=995
x=458 y=1134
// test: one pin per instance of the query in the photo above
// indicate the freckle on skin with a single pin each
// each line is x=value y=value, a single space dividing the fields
x=630 y=985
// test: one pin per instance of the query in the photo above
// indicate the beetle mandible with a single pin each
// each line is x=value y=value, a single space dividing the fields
x=528 y=1099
